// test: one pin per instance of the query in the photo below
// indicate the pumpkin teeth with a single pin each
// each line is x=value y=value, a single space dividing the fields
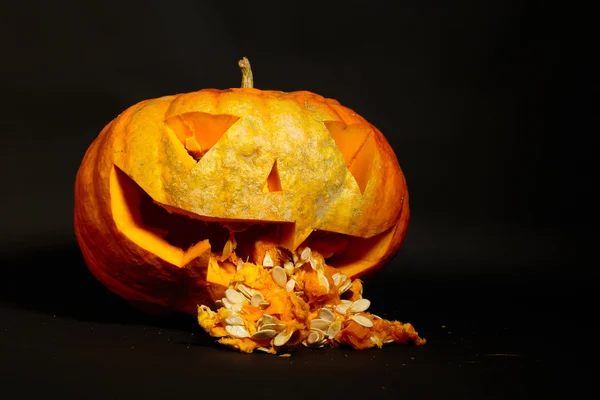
x=267 y=308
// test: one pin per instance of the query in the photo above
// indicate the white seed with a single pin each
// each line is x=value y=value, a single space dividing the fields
x=289 y=286
x=274 y=327
x=237 y=331
x=389 y=341
x=268 y=319
x=364 y=321
x=315 y=337
x=323 y=281
x=360 y=305
x=279 y=276
x=234 y=296
x=227 y=249
x=240 y=264
x=295 y=258
x=264 y=304
x=345 y=286
x=219 y=303
x=342 y=308
x=320 y=324
x=266 y=350
x=313 y=264
x=257 y=298
x=246 y=291
x=306 y=254
x=289 y=267
x=334 y=328
x=267 y=261
x=344 y=301
x=326 y=314
x=282 y=338
x=264 y=334
x=337 y=278
x=226 y=303
x=314 y=346
x=234 y=320
x=237 y=307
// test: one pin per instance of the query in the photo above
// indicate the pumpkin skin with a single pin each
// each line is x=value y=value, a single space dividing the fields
x=314 y=170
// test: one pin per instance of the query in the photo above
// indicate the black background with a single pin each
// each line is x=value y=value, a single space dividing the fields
x=487 y=105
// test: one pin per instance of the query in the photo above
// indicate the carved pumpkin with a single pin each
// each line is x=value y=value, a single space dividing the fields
x=179 y=195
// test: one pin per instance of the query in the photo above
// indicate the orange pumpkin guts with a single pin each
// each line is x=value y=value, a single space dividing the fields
x=253 y=210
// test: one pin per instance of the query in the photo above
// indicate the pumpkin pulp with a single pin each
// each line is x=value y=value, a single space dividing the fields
x=271 y=308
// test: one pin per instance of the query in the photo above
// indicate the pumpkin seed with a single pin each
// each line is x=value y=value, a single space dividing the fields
x=360 y=305
x=342 y=308
x=267 y=261
x=320 y=324
x=257 y=299
x=323 y=280
x=268 y=319
x=279 y=276
x=326 y=314
x=234 y=296
x=275 y=327
x=306 y=254
x=237 y=331
x=227 y=249
x=282 y=338
x=237 y=307
x=313 y=264
x=315 y=337
x=246 y=291
x=264 y=334
x=266 y=350
x=364 y=321
x=234 y=320
x=226 y=303
x=295 y=258
x=289 y=268
x=289 y=286
x=337 y=278
x=334 y=328
x=345 y=286
x=240 y=264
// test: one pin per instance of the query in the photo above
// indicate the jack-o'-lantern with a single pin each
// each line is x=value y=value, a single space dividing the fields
x=265 y=204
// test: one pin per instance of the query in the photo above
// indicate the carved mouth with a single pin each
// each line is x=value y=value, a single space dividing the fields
x=171 y=234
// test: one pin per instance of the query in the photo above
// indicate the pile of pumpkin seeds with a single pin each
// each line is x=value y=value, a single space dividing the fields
x=323 y=329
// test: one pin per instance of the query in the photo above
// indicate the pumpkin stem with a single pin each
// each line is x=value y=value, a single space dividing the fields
x=247 y=78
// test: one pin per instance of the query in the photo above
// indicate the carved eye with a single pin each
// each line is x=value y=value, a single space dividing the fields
x=199 y=131
x=357 y=144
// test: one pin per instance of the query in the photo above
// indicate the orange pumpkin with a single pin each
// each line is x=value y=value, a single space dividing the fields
x=177 y=191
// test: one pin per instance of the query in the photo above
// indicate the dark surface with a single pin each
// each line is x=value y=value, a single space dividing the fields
x=496 y=337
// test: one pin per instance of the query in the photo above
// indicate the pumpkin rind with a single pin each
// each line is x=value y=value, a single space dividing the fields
x=289 y=130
